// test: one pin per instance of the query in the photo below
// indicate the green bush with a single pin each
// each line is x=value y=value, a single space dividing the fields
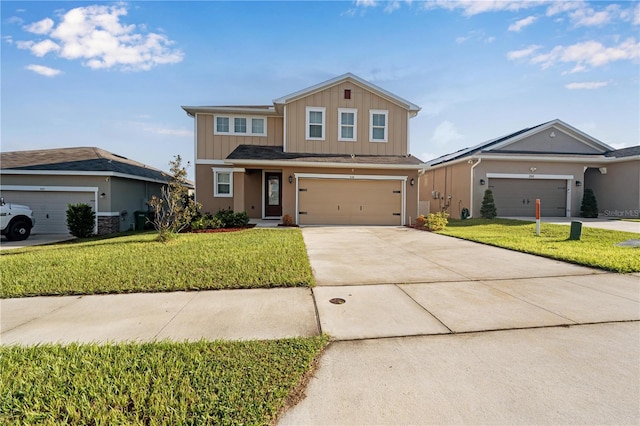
x=229 y=219
x=436 y=221
x=81 y=220
x=589 y=207
x=488 y=208
x=208 y=221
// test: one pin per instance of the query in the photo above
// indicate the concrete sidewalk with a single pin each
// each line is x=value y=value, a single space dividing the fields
x=223 y=314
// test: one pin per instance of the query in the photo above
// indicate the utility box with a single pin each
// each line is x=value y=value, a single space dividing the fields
x=576 y=230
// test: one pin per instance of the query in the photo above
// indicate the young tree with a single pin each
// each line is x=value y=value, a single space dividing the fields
x=488 y=208
x=589 y=207
x=174 y=209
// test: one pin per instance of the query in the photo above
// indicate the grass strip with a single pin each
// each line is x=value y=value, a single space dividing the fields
x=219 y=383
x=596 y=248
x=254 y=258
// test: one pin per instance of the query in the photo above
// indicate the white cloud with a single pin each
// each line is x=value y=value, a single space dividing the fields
x=475 y=7
x=366 y=3
x=588 y=54
x=8 y=39
x=96 y=35
x=392 y=6
x=588 y=85
x=523 y=53
x=15 y=20
x=519 y=25
x=42 y=70
x=170 y=132
x=588 y=17
x=475 y=35
x=558 y=7
x=445 y=134
x=40 y=27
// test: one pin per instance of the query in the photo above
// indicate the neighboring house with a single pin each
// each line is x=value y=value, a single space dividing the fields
x=48 y=180
x=552 y=161
x=334 y=153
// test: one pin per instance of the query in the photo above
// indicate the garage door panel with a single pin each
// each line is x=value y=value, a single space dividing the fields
x=517 y=197
x=349 y=202
x=49 y=207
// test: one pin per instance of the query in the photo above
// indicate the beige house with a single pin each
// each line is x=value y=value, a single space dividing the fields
x=48 y=180
x=333 y=153
x=552 y=161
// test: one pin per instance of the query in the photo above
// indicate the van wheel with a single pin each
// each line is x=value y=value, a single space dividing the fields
x=19 y=230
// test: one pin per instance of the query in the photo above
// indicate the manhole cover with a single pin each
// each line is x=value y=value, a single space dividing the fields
x=337 y=301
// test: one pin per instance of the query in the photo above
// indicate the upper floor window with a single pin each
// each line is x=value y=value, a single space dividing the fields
x=315 y=123
x=245 y=126
x=378 y=125
x=348 y=124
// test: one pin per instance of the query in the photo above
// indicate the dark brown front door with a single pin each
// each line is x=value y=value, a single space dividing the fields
x=273 y=194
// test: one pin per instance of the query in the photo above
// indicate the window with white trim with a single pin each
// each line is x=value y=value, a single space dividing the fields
x=239 y=125
x=378 y=125
x=347 y=124
x=315 y=123
x=222 y=183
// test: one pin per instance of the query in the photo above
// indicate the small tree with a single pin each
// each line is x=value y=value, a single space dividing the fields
x=81 y=220
x=488 y=208
x=589 y=207
x=174 y=209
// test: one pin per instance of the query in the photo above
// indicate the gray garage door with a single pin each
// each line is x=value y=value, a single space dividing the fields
x=49 y=207
x=517 y=197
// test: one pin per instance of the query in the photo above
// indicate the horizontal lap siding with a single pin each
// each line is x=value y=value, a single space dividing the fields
x=218 y=147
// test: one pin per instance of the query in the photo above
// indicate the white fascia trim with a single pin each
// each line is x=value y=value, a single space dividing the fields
x=49 y=188
x=212 y=162
x=192 y=110
x=272 y=163
x=349 y=177
x=77 y=173
x=527 y=176
x=508 y=157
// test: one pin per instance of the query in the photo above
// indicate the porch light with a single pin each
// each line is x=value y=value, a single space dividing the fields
x=412 y=181
x=290 y=179
x=482 y=182
x=578 y=183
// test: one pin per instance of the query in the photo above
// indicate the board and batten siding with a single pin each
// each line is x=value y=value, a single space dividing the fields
x=218 y=147
x=363 y=101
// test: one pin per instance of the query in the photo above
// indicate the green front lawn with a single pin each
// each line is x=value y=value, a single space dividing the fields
x=137 y=263
x=200 y=383
x=596 y=248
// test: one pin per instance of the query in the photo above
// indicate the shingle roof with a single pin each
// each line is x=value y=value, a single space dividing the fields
x=82 y=159
x=624 y=152
x=276 y=153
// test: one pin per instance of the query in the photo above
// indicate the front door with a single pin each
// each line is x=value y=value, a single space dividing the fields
x=272 y=194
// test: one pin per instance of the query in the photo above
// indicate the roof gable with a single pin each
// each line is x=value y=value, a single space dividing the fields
x=524 y=141
x=353 y=79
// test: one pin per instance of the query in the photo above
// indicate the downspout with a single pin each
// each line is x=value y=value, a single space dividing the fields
x=471 y=187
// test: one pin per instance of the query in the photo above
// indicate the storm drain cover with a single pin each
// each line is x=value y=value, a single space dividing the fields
x=337 y=301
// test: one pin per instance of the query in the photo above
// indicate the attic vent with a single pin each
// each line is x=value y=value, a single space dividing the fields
x=347 y=93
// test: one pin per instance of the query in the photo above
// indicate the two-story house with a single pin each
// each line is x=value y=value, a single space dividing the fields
x=333 y=153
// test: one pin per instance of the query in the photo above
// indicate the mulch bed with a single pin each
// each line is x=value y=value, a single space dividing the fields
x=210 y=231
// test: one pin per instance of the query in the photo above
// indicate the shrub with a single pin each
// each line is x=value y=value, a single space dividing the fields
x=174 y=209
x=287 y=220
x=81 y=220
x=589 y=207
x=420 y=221
x=229 y=219
x=437 y=221
x=207 y=221
x=488 y=209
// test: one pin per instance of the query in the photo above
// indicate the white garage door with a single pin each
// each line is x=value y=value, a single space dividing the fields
x=349 y=202
x=517 y=197
x=49 y=207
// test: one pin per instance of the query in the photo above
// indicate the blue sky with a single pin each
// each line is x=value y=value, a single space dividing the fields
x=113 y=75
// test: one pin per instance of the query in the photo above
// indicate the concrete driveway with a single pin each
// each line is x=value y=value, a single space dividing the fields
x=35 y=240
x=443 y=331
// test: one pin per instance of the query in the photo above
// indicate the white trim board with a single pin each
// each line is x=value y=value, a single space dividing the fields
x=77 y=173
x=527 y=176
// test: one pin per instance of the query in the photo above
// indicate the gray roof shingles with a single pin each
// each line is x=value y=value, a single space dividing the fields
x=631 y=151
x=84 y=159
x=276 y=153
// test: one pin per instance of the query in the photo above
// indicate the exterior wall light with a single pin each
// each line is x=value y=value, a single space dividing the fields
x=412 y=181
x=578 y=183
x=290 y=179
x=482 y=182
